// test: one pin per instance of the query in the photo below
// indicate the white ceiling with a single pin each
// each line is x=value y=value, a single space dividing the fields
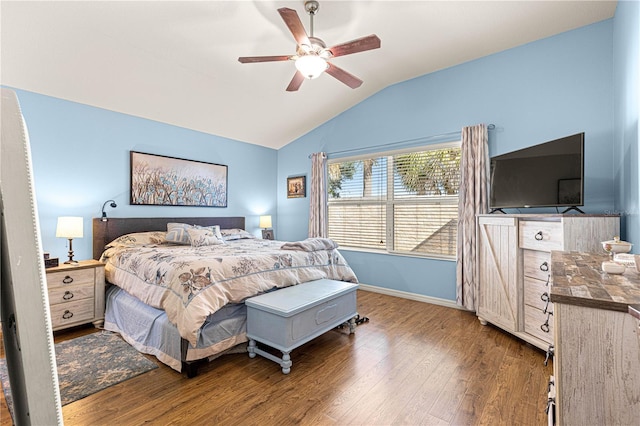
x=176 y=62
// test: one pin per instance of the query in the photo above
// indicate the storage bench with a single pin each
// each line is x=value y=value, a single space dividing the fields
x=287 y=318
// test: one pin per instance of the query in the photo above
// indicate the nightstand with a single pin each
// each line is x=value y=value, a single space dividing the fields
x=76 y=294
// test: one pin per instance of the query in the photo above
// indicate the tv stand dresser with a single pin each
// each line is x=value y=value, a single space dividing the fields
x=514 y=266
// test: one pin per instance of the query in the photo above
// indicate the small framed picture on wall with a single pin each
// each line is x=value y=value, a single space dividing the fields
x=297 y=187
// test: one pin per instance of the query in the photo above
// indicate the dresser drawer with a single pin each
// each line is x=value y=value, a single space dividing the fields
x=540 y=235
x=537 y=264
x=70 y=293
x=534 y=322
x=64 y=314
x=70 y=277
x=536 y=294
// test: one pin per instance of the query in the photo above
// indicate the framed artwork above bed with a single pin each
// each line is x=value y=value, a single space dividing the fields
x=159 y=180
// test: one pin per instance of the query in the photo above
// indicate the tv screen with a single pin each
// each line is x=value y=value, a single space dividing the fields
x=550 y=174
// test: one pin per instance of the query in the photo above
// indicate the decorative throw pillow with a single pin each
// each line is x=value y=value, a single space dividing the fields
x=177 y=233
x=214 y=228
x=203 y=237
x=135 y=239
x=235 y=234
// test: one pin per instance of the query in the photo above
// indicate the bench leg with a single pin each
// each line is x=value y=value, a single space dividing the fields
x=286 y=363
x=252 y=348
x=352 y=325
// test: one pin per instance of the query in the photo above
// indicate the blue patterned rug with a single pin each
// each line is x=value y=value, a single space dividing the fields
x=88 y=364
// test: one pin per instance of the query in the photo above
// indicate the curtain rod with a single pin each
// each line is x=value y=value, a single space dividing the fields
x=408 y=141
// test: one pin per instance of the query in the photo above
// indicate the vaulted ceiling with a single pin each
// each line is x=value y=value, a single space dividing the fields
x=177 y=61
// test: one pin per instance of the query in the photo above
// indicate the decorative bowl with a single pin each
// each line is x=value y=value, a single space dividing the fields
x=616 y=246
x=613 y=268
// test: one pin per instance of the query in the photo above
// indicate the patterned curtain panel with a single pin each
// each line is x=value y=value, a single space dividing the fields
x=472 y=200
x=318 y=196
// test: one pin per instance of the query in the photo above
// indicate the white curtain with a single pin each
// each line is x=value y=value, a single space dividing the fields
x=318 y=196
x=472 y=200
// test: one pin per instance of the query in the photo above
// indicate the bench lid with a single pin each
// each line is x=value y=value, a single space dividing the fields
x=297 y=298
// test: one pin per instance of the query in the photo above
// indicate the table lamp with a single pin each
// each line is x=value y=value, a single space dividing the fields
x=69 y=227
x=265 y=223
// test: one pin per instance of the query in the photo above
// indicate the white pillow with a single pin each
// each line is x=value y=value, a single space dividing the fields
x=201 y=237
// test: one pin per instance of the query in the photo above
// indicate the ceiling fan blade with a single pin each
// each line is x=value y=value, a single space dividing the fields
x=294 y=24
x=340 y=74
x=296 y=82
x=354 y=46
x=253 y=59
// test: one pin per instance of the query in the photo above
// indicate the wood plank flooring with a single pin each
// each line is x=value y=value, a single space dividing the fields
x=412 y=364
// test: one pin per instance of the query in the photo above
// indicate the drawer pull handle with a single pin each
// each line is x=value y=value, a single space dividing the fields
x=548 y=279
x=67 y=314
x=67 y=295
x=544 y=296
x=550 y=353
x=67 y=279
x=545 y=327
x=538 y=236
x=544 y=267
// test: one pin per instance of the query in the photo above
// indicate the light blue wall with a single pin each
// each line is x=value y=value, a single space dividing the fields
x=80 y=159
x=534 y=93
x=626 y=33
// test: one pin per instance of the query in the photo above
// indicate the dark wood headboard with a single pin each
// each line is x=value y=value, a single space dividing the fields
x=105 y=232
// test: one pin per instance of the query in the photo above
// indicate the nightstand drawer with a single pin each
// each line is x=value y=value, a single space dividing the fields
x=538 y=324
x=540 y=235
x=64 y=314
x=70 y=293
x=537 y=264
x=71 y=277
x=536 y=294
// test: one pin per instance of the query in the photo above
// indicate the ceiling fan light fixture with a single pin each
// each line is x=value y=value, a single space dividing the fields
x=311 y=66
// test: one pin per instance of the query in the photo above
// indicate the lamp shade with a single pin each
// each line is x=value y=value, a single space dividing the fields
x=69 y=227
x=265 y=221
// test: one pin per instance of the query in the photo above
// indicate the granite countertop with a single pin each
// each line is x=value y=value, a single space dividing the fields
x=578 y=279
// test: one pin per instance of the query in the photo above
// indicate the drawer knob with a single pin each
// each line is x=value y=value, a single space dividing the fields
x=544 y=267
x=67 y=279
x=538 y=236
x=67 y=314
x=67 y=295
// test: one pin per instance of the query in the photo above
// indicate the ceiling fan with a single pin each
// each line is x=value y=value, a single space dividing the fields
x=312 y=54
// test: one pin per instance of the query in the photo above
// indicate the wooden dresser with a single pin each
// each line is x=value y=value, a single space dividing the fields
x=597 y=349
x=76 y=294
x=514 y=257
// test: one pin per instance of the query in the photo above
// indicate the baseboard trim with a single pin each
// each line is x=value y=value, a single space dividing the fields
x=412 y=296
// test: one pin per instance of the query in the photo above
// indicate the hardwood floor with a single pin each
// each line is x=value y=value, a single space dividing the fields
x=412 y=363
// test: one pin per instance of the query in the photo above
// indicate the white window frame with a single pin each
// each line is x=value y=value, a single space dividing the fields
x=389 y=202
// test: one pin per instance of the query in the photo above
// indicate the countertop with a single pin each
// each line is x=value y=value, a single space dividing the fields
x=578 y=279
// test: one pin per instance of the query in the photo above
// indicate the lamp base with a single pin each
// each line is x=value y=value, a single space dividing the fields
x=71 y=262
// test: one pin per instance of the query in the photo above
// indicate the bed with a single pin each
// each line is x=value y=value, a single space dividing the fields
x=184 y=303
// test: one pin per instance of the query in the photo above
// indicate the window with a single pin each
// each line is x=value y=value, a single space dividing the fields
x=399 y=202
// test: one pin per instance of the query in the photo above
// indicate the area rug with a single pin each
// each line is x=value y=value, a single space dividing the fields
x=88 y=364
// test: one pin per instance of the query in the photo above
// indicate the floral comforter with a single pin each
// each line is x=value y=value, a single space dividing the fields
x=190 y=283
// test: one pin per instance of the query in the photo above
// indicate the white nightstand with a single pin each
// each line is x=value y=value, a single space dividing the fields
x=76 y=294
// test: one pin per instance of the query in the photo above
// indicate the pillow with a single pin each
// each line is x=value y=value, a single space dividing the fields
x=177 y=233
x=204 y=236
x=139 y=239
x=235 y=234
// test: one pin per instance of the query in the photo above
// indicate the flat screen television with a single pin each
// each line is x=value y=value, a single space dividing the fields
x=550 y=174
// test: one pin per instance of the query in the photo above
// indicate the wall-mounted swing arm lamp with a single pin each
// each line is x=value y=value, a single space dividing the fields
x=104 y=214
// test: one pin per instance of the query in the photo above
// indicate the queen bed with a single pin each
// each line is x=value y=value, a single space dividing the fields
x=183 y=300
